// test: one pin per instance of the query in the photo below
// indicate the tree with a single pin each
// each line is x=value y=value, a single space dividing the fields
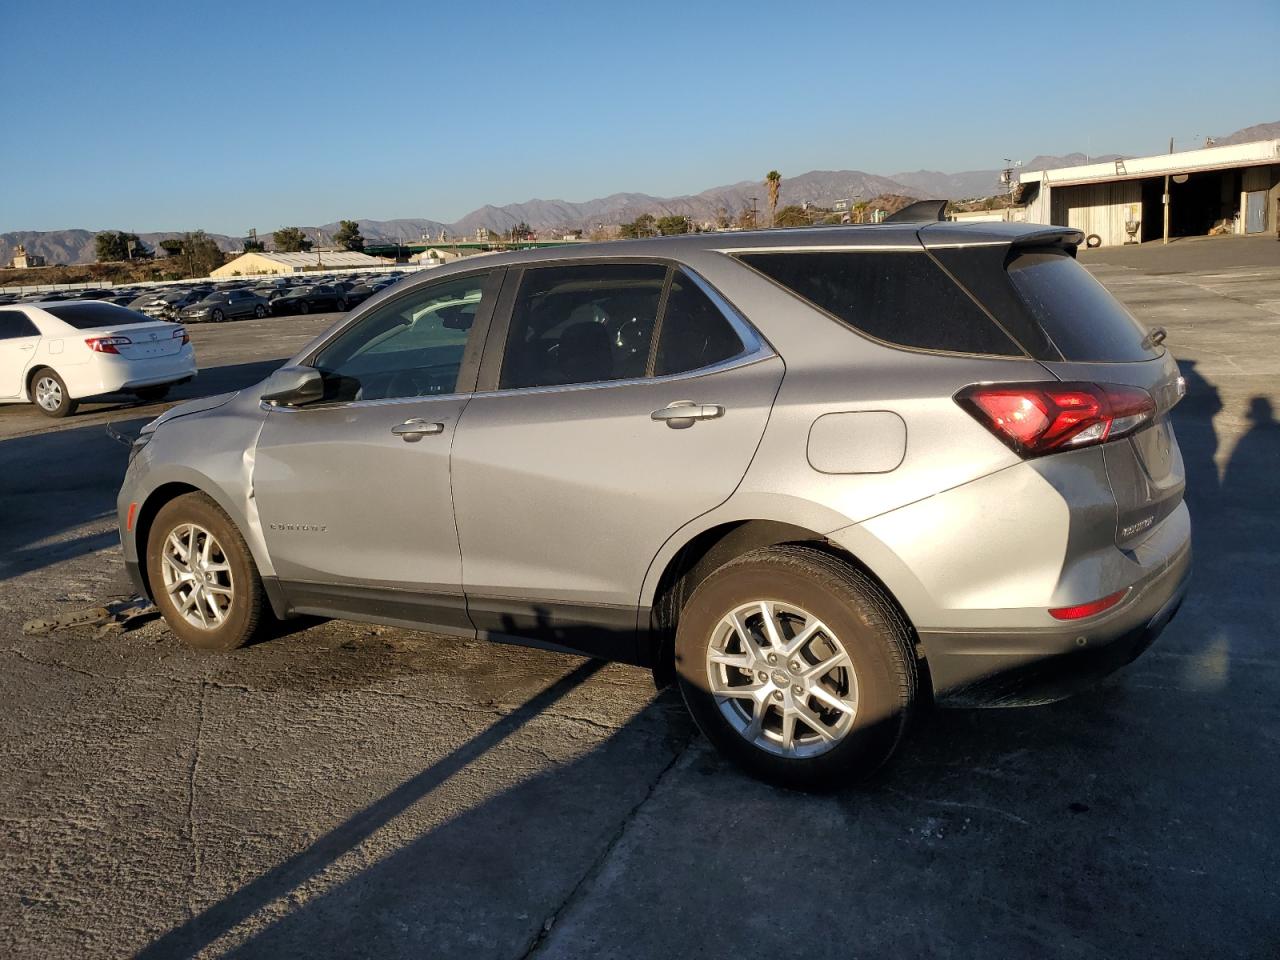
x=291 y=240
x=199 y=255
x=642 y=226
x=521 y=231
x=747 y=219
x=172 y=246
x=347 y=236
x=791 y=216
x=254 y=246
x=112 y=245
x=722 y=217
x=672 y=225
x=773 y=180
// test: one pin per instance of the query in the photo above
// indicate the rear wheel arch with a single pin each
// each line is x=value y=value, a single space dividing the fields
x=711 y=549
x=34 y=372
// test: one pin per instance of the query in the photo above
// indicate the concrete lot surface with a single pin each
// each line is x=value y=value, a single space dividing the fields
x=346 y=790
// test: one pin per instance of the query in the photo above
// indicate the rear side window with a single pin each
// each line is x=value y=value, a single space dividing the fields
x=1085 y=322
x=15 y=324
x=582 y=324
x=902 y=298
x=695 y=333
x=93 y=314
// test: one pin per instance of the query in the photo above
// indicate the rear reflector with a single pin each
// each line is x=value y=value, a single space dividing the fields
x=133 y=510
x=1080 y=611
x=1038 y=418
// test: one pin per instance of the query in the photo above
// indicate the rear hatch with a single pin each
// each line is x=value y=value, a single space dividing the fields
x=1101 y=342
x=133 y=335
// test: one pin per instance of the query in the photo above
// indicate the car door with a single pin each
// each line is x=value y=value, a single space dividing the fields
x=18 y=341
x=621 y=401
x=353 y=491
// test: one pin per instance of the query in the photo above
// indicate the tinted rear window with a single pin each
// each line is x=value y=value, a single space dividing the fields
x=91 y=315
x=903 y=298
x=1087 y=323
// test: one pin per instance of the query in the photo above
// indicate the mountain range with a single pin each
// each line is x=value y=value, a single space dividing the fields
x=821 y=187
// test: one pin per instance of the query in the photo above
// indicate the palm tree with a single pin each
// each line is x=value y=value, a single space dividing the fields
x=774 y=182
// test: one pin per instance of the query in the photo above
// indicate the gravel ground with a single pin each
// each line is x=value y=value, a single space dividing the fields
x=347 y=790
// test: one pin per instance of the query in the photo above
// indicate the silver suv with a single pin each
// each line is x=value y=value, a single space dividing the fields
x=816 y=477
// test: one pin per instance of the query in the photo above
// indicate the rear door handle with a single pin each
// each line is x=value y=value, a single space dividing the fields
x=683 y=413
x=411 y=431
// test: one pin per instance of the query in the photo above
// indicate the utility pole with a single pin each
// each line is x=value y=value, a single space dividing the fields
x=753 y=213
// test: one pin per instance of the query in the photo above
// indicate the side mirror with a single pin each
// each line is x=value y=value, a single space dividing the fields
x=293 y=386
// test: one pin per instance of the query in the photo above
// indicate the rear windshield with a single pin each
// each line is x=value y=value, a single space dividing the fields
x=1087 y=323
x=902 y=298
x=93 y=314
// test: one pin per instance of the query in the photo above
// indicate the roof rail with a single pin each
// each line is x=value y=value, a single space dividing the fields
x=922 y=211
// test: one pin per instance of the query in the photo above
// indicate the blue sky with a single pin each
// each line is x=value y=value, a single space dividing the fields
x=233 y=115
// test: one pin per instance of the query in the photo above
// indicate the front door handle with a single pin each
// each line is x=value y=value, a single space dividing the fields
x=411 y=431
x=683 y=413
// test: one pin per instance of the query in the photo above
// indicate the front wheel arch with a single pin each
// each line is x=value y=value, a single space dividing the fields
x=171 y=490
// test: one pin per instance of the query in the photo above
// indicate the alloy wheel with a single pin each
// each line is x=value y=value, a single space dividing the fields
x=48 y=393
x=782 y=679
x=197 y=576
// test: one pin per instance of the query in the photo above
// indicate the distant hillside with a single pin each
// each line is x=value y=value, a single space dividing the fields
x=820 y=187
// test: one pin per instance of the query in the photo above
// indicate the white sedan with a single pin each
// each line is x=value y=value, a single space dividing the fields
x=56 y=354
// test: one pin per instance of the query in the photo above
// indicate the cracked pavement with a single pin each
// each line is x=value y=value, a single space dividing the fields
x=348 y=790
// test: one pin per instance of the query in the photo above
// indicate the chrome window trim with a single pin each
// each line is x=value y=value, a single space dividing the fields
x=271 y=406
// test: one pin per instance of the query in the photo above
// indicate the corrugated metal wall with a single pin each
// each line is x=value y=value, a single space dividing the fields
x=1100 y=208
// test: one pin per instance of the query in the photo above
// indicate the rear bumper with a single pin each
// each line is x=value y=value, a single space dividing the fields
x=1018 y=667
x=115 y=375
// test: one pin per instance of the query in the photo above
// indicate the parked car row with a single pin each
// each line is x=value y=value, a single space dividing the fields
x=60 y=347
x=216 y=301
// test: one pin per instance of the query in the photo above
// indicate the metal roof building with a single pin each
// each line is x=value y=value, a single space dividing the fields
x=1229 y=189
x=256 y=264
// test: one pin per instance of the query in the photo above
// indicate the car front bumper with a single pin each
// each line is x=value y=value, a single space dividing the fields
x=1019 y=667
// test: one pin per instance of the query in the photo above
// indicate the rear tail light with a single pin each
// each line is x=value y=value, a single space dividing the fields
x=182 y=332
x=1038 y=418
x=1094 y=607
x=107 y=344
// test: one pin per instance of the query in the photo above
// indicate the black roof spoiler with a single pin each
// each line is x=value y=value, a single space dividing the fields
x=922 y=211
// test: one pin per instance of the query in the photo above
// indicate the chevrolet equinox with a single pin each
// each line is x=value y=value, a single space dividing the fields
x=816 y=477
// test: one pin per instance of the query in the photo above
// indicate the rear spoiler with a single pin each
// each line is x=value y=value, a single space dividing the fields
x=922 y=211
x=1068 y=237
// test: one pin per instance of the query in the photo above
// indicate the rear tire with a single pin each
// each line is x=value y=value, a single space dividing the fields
x=304 y=307
x=259 y=311
x=342 y=306
x=49 y=394
x=766 y=701
x=202 y=575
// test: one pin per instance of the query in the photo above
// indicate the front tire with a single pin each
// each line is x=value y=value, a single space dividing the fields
x=217 y=316
x=259 y=311
x=202 y=575
x=797 y=667
x=49 y=393
x=304 y=307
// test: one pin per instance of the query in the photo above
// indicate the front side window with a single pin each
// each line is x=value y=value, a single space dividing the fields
x=410 y=347
x=584 y=323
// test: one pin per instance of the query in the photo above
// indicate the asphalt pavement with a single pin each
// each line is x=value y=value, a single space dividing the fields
x=347 y=790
